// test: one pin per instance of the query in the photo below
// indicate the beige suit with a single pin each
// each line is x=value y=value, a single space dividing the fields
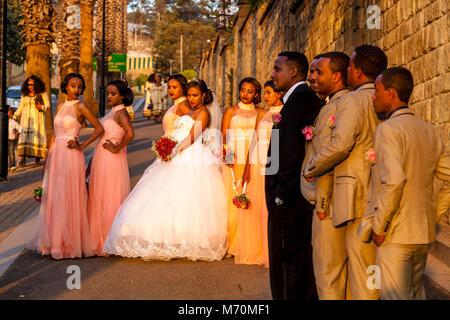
x=443 y=198
x=351 y=139
x=409 y=153
x=329 y=252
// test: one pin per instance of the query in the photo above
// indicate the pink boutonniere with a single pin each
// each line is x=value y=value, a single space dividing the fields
x=276 y=118
x=370 y=156
x=309 y=132
x=330 y=121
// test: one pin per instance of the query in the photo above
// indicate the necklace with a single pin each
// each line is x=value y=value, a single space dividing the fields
x=196 y=108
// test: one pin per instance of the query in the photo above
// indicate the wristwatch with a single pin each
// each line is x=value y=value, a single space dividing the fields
x=278 y=201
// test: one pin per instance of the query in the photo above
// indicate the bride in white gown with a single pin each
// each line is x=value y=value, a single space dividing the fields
x=178 y=208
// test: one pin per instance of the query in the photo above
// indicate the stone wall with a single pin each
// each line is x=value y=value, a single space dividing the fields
x=413 y=33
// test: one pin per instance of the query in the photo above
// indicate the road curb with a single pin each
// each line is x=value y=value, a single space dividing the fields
x=13 y=245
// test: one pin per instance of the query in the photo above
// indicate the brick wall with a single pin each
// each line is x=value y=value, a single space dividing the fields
x=413 y=33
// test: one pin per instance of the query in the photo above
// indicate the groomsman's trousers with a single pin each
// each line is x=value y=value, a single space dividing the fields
x=341 y=261
x=329 y=259
x=402 y=267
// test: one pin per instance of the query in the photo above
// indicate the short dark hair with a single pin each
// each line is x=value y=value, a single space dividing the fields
x=318 y=56
x=203 y=89
x=299 y=59
x=271 y=84
x=257 y=86
x=124 y=91
x=338 y=63
x=181 y=80
x=151 y=78
x=39 y=86
x=66 y=80
x=399 y=79
x=371 y=60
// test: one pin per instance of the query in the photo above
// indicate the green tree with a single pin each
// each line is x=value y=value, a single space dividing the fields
x=166 y=45
x=15 y=52
x=189 y=74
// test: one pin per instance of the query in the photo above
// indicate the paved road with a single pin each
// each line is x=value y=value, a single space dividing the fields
x=32 y=276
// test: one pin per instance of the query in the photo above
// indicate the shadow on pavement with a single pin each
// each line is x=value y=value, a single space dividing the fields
x=33 y=276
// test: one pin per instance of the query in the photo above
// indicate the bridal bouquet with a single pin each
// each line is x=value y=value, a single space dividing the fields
x=37 y=194
x=163 y=148
x=240 y=200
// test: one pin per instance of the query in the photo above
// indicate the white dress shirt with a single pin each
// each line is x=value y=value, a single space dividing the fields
x=289 y=92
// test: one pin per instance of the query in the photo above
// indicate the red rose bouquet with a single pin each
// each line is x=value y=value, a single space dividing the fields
x=240 y=200
x=163 y=148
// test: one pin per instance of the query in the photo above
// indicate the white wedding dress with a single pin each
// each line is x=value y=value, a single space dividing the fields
x=176 y=210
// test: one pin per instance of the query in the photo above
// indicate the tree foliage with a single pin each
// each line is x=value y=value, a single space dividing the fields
x=15 y=53
x=167 y=42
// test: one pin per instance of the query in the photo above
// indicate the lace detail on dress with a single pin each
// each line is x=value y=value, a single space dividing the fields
x=164 y=251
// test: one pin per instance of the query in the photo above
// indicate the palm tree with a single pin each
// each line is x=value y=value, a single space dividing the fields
x=68 y=43
x=116 y=30
x=86 y=52
x=38 y=33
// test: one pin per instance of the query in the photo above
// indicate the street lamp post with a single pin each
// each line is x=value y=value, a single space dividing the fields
x=102 y=66
x=4 y=106
x=171 y=61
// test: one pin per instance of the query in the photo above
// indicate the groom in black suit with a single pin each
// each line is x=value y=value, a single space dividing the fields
x=290 y=215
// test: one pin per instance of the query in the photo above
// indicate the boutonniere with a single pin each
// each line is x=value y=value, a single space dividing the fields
x=309 y=132
x=276 y=118
x=330 y=121
x=370 y=156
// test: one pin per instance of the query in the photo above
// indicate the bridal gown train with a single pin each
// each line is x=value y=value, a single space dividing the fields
x=177 y=209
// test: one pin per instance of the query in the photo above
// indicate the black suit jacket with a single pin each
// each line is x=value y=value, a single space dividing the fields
x=299 y=111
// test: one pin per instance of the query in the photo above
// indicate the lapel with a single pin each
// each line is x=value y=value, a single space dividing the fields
x=288 y=103
x=337 y=95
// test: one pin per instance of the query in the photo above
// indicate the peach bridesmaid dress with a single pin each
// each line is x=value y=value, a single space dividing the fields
x=62 y=228
x=242 y=126
x=251 y=236
x=109 y=181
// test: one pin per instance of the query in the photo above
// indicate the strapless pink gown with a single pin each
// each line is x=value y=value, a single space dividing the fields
x=109 y=181
x=62 y=227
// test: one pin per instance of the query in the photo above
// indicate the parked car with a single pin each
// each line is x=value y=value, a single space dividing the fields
x=13 y=97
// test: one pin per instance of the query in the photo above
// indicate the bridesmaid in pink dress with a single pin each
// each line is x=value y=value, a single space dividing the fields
x=62 y=228
x=252 y=234
x=109 y=179
x=238 y=129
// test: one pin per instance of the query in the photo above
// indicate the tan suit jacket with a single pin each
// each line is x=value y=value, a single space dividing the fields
x=409 y=153
x=351 y=139
x=320 y=190
x=443 y=198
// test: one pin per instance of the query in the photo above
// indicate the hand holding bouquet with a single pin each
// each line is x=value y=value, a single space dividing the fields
x=240 y=200
x=163 y=148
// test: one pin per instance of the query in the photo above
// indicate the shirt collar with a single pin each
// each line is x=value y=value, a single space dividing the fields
x=395 y=110
x=289 y=92
x=332 y=95
x=363 y=84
